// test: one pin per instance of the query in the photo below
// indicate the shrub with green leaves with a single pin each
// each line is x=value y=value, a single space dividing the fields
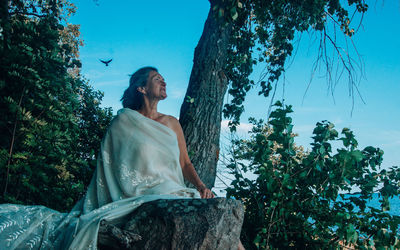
x=51 y=122
x=315 y=199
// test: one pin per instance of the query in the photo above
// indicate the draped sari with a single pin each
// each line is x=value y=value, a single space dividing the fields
x=138 y=162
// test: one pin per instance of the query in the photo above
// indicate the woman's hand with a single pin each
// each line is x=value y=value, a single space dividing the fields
x=205 y=193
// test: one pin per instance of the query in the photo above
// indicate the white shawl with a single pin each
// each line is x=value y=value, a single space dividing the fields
x=138 y=162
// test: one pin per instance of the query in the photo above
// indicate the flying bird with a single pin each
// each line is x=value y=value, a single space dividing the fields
x=106 y=62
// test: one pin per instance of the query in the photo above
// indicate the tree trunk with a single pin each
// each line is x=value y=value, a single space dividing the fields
x=176 y=224
x=201 y=117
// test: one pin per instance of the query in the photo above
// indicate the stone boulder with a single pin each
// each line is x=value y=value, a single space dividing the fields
x=177 y=224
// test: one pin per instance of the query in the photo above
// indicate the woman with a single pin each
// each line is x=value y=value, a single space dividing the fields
x=147 y=88
x=143 y=157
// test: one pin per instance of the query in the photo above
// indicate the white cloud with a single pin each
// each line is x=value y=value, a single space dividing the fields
x=176 y=93
x=95 y=74
x=243 y=127
x=390 y=138
x=111 y=83
x=337 y=121
x=303 y=129
x=310 y=110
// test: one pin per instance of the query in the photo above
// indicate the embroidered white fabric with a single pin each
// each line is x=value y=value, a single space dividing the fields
x=138 y=162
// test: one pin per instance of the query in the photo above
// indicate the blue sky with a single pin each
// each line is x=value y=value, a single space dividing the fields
x=164 y=34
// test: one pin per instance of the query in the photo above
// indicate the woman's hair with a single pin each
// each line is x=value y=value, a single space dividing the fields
x=132 y=98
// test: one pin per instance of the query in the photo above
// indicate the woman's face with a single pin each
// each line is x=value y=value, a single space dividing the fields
x=156 y=86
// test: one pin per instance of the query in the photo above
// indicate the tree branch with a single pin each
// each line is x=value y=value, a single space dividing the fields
x=26 y=14
x=10 y=153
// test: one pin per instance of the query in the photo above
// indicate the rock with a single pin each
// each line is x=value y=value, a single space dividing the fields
x=177 y=224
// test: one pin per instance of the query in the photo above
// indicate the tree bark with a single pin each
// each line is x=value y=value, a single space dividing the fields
x=189 y=224
x=201 y=117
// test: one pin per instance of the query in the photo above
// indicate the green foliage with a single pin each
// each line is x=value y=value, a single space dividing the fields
x=303 y=199
x=51 y=122
x=263 y=32
x=92 y=122
x=189 y=99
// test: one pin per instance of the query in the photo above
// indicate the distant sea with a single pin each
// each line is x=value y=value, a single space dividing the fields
x=374 y=202
x=394 y=204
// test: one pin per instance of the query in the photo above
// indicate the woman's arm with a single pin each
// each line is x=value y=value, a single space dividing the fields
x=188 y=170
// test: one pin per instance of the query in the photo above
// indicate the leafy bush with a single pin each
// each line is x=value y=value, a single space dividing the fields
x=51 y=121
x=303 y=199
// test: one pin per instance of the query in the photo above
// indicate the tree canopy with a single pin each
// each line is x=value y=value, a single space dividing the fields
x=239 y=34
x=51 y=122
x=263 y=32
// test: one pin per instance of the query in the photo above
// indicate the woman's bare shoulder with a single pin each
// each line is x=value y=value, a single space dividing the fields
x=169 y=121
